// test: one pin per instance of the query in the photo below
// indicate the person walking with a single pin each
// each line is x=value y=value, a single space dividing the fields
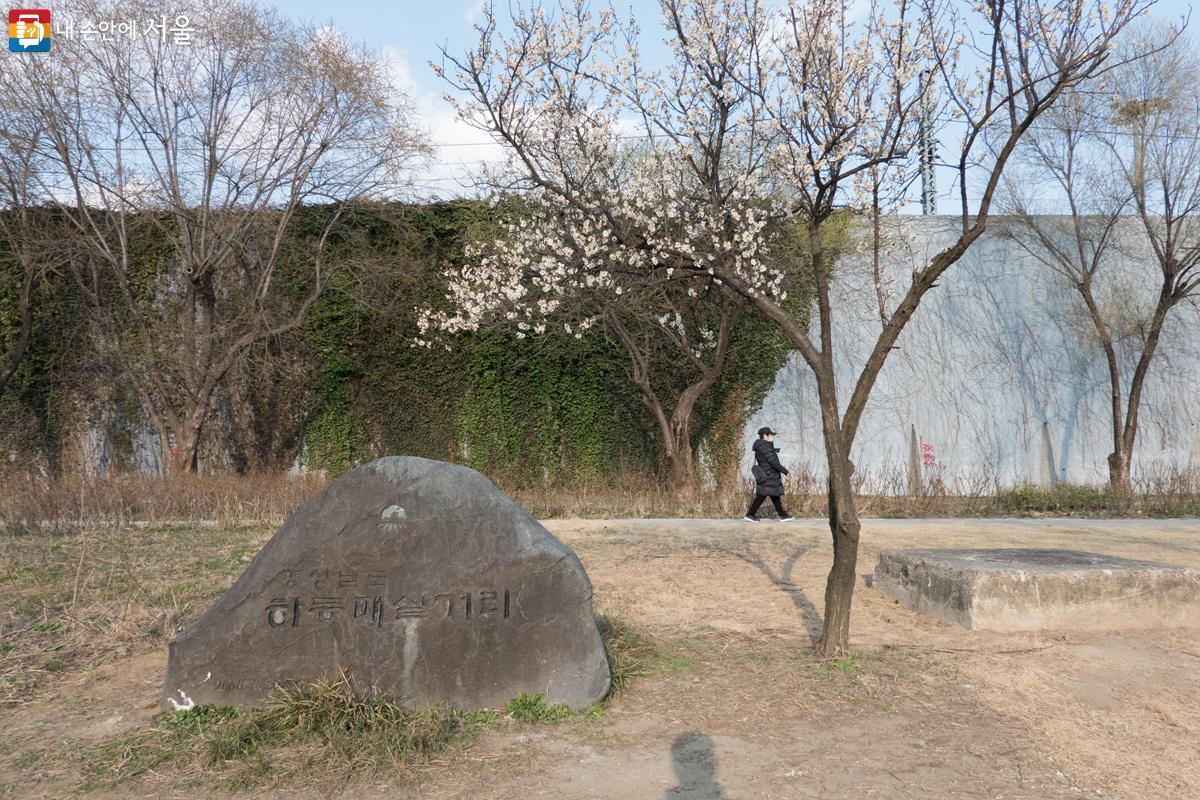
x=768 y=476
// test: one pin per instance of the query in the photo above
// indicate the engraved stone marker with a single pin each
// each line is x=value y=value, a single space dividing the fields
x=419 y=579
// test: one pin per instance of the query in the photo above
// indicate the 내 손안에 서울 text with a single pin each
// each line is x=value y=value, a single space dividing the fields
x=29 y=30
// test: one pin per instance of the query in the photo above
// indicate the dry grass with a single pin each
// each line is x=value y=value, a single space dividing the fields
x=1165 y=494
x=73 y=601
x=319 y=734
x=33 y=503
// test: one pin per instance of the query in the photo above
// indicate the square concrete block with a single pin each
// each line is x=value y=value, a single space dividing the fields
x=1030 y=589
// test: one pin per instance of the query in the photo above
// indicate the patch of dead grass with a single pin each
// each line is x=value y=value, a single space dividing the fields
x=73 y=601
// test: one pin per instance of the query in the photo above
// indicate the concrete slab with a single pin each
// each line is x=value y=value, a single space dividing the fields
x=1024 y=589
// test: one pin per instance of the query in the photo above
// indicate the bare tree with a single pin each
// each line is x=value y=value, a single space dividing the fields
x=846 y=101
x=190 y=168
x=1146 y=121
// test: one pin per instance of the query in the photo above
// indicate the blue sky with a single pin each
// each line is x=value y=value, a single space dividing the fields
x=409 y=35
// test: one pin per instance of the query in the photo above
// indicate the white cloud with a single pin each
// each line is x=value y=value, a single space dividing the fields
x=459 y=148
x=400 y=71
x=474 y=12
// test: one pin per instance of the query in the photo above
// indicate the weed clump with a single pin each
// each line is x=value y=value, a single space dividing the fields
x=629 y=652
x=325 y=727
x=532 y=708
x=1064 y=498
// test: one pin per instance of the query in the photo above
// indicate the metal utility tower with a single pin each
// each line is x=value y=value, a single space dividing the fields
x=927 y=145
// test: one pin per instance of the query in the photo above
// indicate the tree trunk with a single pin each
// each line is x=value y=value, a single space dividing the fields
x=1118 y=459
x=843 y=519
x=839 y=587
x=1118 y=472
x=1136 y=383
x=183 y=457
x=189 y=448
x=187 y=456
x=182 y=462
x=681 y=474
x=9 y=367
x=676 y=443
x=682 y=465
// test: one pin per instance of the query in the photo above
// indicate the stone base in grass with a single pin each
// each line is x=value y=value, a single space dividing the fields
x=1033 y=589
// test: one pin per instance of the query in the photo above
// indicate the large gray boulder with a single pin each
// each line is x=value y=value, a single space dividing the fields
x=418 y=579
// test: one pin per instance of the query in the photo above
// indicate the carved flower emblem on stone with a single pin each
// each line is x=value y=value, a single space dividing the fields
x=392 y=519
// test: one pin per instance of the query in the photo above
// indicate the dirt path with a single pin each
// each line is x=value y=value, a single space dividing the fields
x=738 y=710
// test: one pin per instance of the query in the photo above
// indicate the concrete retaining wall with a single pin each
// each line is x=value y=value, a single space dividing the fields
x=998 y=377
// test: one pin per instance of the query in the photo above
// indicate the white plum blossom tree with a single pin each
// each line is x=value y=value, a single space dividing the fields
x=760 y=117
x=635 y=189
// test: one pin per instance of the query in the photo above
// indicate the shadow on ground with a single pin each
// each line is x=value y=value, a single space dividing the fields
x=783 y=581
x=695 y=765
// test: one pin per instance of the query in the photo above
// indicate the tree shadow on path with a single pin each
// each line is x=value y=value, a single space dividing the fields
x=783 y=580
x=695 y=765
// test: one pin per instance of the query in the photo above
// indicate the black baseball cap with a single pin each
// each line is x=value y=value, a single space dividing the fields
x=765 y=432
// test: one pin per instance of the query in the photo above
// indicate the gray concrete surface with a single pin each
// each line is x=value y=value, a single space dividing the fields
x=1031 y=589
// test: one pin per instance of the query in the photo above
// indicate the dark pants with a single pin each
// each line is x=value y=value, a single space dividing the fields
x=758 y=501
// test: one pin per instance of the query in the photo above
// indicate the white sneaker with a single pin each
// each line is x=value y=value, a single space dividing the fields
x=750 y=519
x=786 y=519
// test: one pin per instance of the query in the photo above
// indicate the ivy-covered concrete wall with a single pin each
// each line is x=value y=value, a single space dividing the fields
x=350 y=386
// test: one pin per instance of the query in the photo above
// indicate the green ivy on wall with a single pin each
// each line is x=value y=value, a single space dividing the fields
x=37 y=402
x=540 y=410
x=546 y=409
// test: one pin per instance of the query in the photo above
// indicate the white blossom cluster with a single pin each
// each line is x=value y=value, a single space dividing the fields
x=559 y=264
x=623 y=187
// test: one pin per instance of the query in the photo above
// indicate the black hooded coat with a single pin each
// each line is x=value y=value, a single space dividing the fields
x=766 y=457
